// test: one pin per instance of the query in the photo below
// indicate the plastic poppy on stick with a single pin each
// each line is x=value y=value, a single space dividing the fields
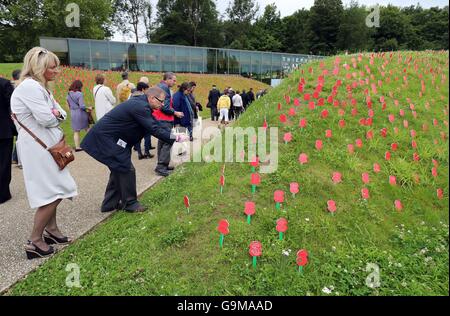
x=223 y=229
x=249 y=210
x=255 y=250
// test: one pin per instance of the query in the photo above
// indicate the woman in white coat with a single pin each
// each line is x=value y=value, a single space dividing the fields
x=103 y=97
x=34 y=106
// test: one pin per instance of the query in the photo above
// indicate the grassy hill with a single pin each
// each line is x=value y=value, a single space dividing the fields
x=69 y=74
x=167 y=251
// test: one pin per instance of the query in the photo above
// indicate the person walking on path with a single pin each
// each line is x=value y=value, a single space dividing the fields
x=251 y=96
x=46 y=185
x=213 y=98
x=79 y=118
x=7 y=133
x=141 y=89
x=124 y=89
x=238 y=105
x=224 y=105
x=110 y=142
x=103 y=97
x=166 y=115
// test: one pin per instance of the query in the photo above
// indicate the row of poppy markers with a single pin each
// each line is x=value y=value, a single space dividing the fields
x=255 y=248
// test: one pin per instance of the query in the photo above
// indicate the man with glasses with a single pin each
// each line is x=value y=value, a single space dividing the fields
x=111 y=139
x=166 y=116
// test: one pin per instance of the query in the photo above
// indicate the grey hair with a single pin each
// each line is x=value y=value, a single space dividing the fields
x=168 y=75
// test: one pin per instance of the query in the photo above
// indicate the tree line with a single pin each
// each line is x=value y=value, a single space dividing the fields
x=326 y=28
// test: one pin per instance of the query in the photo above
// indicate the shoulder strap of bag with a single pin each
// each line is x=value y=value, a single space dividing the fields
x=95 y=94
x=76 y=102
x=40 y=142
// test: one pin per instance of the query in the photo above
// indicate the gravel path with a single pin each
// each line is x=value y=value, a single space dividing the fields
x=74 y=218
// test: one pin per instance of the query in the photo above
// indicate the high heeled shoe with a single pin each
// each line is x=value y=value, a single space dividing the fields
x=51 y=239
x=37 y=252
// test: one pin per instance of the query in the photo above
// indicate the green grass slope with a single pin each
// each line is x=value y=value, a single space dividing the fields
x=167 y=251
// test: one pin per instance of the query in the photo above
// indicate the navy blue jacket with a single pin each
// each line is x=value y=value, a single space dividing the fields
x=181 y=104
x=123 y=126
x=166 y=107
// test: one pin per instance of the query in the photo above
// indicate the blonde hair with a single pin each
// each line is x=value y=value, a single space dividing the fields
x=144 y=80
x=35 y=63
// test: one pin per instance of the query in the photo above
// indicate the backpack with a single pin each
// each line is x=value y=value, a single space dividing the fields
x=125 y=93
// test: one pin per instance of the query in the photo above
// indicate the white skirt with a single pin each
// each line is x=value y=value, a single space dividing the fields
x=44 y=182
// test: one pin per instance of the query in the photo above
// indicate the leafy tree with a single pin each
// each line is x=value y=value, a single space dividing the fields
x=295 y=32
x=324 y=22
x=188 y=22
x=354 y=35
x=22 y=22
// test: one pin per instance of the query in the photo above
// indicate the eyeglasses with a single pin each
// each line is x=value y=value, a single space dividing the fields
x=160 y=101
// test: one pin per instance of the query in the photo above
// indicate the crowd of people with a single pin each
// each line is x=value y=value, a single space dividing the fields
x=29 y=112
x=229 y=105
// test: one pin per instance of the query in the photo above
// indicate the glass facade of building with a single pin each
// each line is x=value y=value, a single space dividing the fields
x=108 y=55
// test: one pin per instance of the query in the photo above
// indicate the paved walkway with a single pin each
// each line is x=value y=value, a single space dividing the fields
x=74 y=218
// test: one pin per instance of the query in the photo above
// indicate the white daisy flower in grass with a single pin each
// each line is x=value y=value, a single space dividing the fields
x=327 y=290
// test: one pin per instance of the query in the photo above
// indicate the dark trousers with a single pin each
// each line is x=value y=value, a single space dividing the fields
x=238 y=111
x=214 y=113
x=121 y=191
x=147 y=145
x=6 y=147
x=164 y=148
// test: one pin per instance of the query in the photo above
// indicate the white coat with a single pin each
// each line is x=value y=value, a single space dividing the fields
x=104 y=100
x=44 y=182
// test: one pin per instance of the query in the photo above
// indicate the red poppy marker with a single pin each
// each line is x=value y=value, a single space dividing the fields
x=255 y=251
x=387 y=156
x=365 y=178
x=337 y=177
x=293 y=187
x=319 y=144
x=376 y=168
x=223 y=230
x=351 y=148
x=222 y=183
x=249 y=210
x=302 y=259
x=303 y=123
x=365 y=193
x=440 y=193
x=287 y=137
x=186 y=202
x=278 y=197
x=254 y=163
x=398 y=205
x=255 y=180
x=328 y=133
x=392 y=180
x=303 y=158
x=331 y=206
x=434 y=172
x=282 y=226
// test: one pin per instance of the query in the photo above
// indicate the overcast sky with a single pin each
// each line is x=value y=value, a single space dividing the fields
x=288 y=7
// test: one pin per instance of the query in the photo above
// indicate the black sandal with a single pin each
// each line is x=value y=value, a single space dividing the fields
x=38 y=252
x=51 y=239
